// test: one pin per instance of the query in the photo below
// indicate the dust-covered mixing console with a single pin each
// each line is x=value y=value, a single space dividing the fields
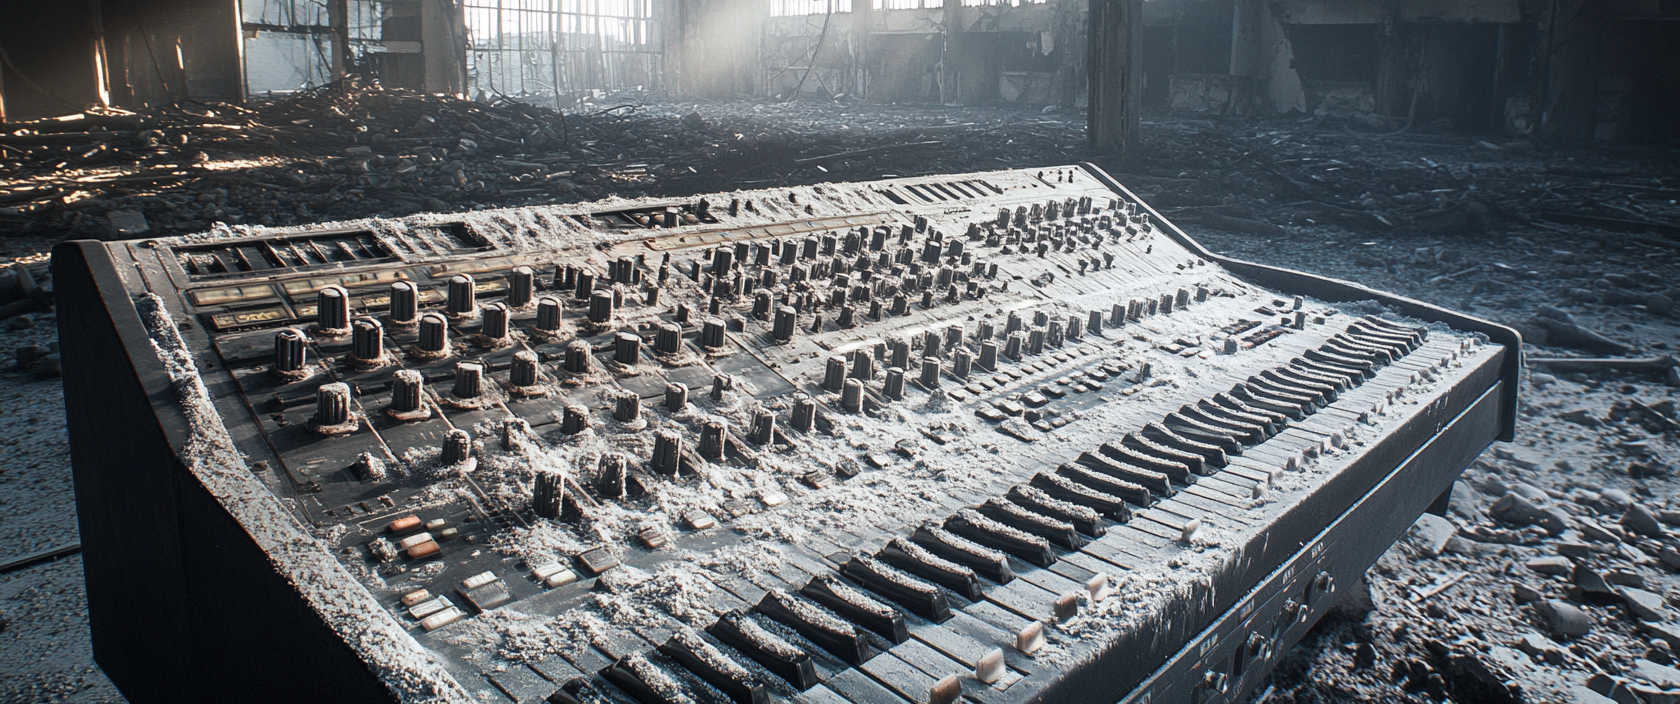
x=995 y=437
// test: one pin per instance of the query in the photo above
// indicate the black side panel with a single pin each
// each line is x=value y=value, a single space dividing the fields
x=123 y=468
x=184 y=605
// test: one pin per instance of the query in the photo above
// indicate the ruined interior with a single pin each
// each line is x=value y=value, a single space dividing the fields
x=1511 y=167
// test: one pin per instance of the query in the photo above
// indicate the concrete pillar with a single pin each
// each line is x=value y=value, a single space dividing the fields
x=1115 y=76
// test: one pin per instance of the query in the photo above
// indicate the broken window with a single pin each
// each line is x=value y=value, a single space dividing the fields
x=561 y=50
x=796 y=8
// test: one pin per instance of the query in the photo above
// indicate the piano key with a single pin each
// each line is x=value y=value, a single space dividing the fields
x=820 y=694
x=901 y=677
x=1133 y=483
x=1210 y=454
x=860 y=688
x=689 y=649
x=1085 y=520
x=1178 y=471
x=985 y=561
x=818 y=624
x=1150 y=448
x=855 y=606
x=920 y=597
x=970 y=524
x=776 y=654
x=1023 y=598
x=1014 y=515
x=915 y=559
x=648 y=683
x=1112 y=507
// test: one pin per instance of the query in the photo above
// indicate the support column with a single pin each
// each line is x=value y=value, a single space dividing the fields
x=1115 y=77
x=950 y=60
x=338 y=16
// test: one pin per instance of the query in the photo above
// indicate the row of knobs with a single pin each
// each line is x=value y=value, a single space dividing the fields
x=1044 y=332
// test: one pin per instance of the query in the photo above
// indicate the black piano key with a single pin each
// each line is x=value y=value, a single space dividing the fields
x=1331 y=388
x=648 y=683
x=1259 y=388
x=827 y=630
x=1226 y=406
x=1014 y=515
x=1211 y=454
x=1324 y=392
x=1331 y=356
x=1112 y=507
x=1229 y=437
x=1396 y=345
x=1136 y=442
x=1177 y=471
x=1381 y=355
x=919 y=561
x=920 y=597
x=856 y=606
x=986 y=562
x=1353 y=375
x=1420 y=334
x=1134 y=493
x=1261 y=401
x=1304 y=368
x=1084 y=519
x=688 y=649
x=1151 y=481
x=968 y=523
x=739 y=631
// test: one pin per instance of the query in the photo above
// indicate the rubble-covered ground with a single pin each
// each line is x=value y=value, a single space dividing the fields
x=1550 y=579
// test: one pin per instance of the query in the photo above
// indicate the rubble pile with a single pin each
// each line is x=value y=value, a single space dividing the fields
x=1554 y=576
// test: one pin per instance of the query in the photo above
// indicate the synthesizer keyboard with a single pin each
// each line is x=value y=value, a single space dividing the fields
x=995 y=437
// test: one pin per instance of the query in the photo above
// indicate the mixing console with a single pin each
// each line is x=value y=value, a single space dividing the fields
x=1000 y=437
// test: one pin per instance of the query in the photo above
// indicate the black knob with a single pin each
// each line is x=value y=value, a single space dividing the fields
x=288 y=351
x=469 y=380
x=332 y=405
x=578 y=355
x=406 y=391
x=521 y=287
x=457 y=447
x=548 y=314
x=332 y=309
x=367 y=340
x=548 y=493
x=434 y=333
x=524 y=372
x=463 y=295
x=405 y=303
x=711 y=439
x=495 y=323
x=676 y=396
